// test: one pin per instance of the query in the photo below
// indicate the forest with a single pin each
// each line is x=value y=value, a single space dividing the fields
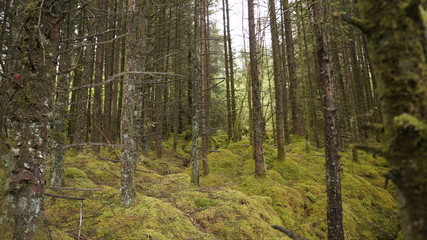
x=161 y=119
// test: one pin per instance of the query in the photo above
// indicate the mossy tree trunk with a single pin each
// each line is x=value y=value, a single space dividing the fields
x=395 y=33
x=59 y=121
x=34 y=45
x=333 y=181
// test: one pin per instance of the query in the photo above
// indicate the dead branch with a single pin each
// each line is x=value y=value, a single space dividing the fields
x=74 y=189
x=63 y=197
x=288 y=233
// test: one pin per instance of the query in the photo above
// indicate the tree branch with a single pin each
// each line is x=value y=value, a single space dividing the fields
x=356 y=22
x=74 y=189
x=289 y=233
x=63 y=197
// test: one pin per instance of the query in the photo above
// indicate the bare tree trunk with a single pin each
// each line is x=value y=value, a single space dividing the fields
x=285 y=75
x=278 y=82
x=203 y=9
x=237 y=133
x=129 y=111
x=297 y=119
x=260 y=169
x=333 y=181
x=99 y=73
x=195 y=171
x=227 y=74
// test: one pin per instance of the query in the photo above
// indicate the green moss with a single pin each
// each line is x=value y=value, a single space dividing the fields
x=150 y=216
x=205 y=202
x=77 y=178
x=224 y=162
x=231 y=204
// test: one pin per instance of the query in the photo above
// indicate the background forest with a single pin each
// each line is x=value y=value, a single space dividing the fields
x=140 y=119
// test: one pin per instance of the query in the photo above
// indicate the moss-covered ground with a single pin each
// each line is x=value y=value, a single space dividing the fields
x=230 y=204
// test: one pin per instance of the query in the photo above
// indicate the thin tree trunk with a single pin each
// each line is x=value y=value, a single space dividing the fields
x=227 y=74
x=59 y=121
x=333 y=181
x=129 y=111
x=278 y=82
x=260 y=169
x=195 y=174
x=99 y=73
x=203 y=9
x=297 y=119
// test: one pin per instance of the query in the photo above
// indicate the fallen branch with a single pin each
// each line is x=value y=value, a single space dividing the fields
x=139 y=170
x=63 y=197
x=288 y=233
x=91 y=144
x=74 y=189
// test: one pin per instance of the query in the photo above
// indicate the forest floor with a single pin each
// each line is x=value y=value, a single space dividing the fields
x=230 y=204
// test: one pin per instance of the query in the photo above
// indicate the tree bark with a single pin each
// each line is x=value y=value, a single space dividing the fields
x=195 y=171
x=278 y=82
x=395 y=33
x=333 y=181
x=129 y=111
x=260 y=169
x=33 y=66
x=297 y=119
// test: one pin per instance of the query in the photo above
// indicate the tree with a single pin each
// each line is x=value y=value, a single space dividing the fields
x=297 y=121
x=395 y=32
x=195 y=171
x=36 y=36
x=333 y=181
x=278 y=81
x=256 y=97
x=130 y=112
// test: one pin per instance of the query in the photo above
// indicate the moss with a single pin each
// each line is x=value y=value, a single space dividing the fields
x=205 y=202
x=224 y=162
x=150 y=217
x=232 y=204
x=77 y=178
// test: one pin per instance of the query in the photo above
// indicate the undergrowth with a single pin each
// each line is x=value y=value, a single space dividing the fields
x=230 y=204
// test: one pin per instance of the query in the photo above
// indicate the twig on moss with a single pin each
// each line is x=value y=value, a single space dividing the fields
x=288 y=233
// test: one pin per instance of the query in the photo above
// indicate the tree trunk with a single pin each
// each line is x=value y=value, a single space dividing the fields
x=129 y=111
x=333 y=181
x=278 y=82
x=395 y=33
x=297 y=120
x=99 y=73
x=260 y=169
x=38 y=28
x=195 y=174
x=59 y=121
